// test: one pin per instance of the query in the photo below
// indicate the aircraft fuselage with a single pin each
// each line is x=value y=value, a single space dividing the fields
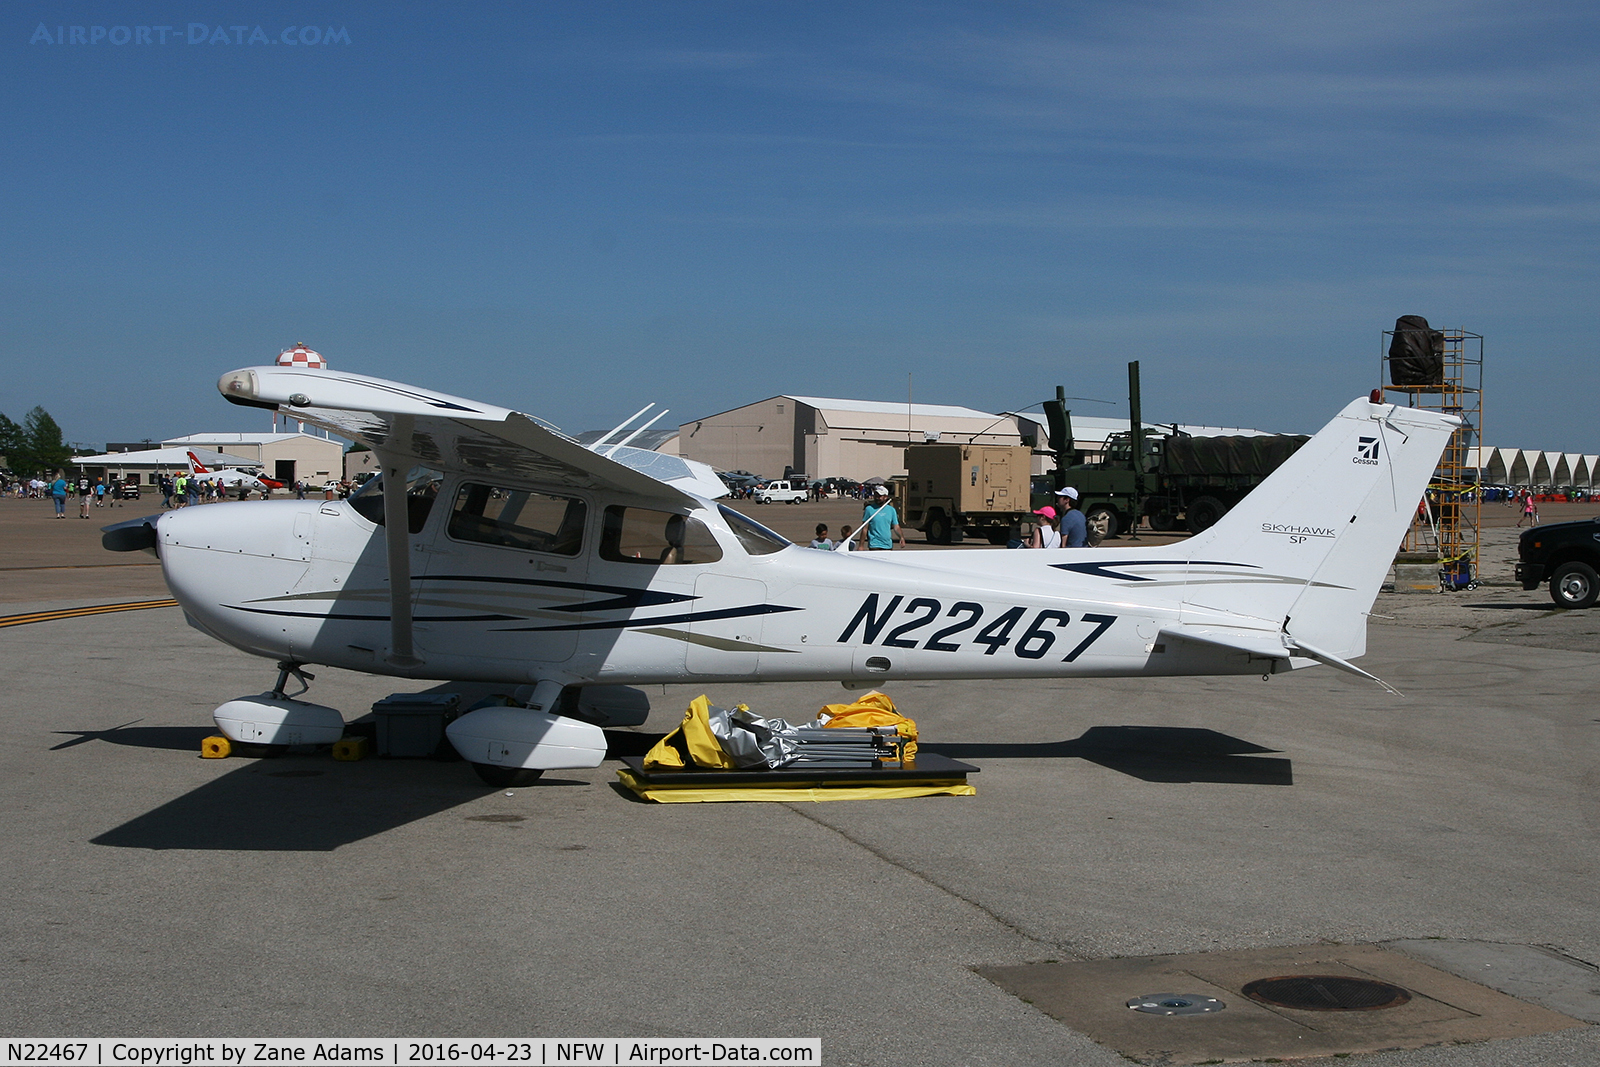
x=306 y=581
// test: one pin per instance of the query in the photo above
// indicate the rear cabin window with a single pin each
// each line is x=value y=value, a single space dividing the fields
x=518 y=518
x=639 y=535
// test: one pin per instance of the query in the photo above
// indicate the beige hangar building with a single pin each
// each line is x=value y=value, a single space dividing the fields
x=826 y=437
x=285 y=457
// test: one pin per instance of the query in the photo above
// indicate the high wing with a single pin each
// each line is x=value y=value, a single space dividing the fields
x=407 y=426
x=415 y=426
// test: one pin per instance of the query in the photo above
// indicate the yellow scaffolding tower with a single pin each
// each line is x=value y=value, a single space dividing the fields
x=1447 y=519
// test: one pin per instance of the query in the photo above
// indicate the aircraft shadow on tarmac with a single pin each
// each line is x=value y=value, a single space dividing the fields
x=310 y=803
x=1150 y=753
x=300 y=802
x=174 y=738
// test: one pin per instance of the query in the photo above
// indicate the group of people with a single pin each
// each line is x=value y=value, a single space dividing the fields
x=89 y=494
x=1059 y=526
x=878 y=530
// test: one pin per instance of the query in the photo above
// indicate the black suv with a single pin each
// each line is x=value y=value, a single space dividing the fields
x=1565 y=554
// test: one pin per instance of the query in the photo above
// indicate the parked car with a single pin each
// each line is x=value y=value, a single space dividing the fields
x=129 y=491
x=1565 y=554
x=782 y=491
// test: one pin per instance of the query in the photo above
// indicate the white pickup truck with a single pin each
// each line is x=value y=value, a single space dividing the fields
x=782 y=491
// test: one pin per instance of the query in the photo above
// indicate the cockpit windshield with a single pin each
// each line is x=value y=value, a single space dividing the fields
x=422 y=486
x=753 y=537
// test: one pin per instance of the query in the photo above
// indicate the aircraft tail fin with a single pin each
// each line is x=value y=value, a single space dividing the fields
x=1307 y=550
x=195 y=466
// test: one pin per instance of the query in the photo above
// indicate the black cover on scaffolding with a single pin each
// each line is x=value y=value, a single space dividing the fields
x=1416 y=355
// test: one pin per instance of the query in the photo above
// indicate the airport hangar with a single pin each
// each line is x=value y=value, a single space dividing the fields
x=284 y=457
x=827 y=437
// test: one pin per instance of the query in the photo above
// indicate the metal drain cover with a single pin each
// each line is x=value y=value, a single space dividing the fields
x=1176 y=1004
x=1326 y=992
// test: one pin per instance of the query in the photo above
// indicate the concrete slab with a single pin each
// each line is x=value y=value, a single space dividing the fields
x=1528 y=972
x=1092 y=996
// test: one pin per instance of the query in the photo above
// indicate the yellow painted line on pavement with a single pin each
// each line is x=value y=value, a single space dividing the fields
x=75 y=613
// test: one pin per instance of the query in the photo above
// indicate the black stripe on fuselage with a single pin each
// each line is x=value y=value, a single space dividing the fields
x=373 y=618
x=623 y=596
x=698 y=616
x=1104 y=569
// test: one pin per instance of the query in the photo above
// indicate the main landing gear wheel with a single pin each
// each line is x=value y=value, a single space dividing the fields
x=1103 y=519
x=506 y=777
x=1574 y=585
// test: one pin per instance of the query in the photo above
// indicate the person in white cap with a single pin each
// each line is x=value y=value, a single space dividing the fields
x=880 y=523
x=1074 y=530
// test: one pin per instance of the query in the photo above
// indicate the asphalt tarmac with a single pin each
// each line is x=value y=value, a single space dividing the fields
x=150 y=892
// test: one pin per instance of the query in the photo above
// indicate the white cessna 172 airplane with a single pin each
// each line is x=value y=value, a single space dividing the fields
x=519 y=557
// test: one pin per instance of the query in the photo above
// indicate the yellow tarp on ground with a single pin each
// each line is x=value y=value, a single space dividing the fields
x=694 y=747
x=692 y=744
x=874 y=709
x=704 y=794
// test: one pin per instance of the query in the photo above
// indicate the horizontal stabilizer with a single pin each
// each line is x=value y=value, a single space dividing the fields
x=1311 y=651
x=1265 y=645
x=1255 y=642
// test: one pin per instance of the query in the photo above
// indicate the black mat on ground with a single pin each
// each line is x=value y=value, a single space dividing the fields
x=928 y=765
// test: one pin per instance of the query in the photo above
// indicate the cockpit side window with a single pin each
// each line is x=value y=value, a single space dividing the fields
x=640 y=535
x=518 y=518
x=422 y=486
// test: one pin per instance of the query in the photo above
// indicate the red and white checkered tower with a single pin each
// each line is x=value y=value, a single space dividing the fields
x=301 y=356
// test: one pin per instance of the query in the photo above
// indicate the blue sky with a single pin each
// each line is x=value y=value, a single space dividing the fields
x=576 y=208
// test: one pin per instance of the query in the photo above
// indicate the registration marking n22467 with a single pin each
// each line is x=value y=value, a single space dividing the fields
x=1035 y=640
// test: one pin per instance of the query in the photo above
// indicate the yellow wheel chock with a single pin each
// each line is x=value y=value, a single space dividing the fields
x=350 y=749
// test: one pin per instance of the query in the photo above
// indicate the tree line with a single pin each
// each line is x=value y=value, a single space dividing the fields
x=35 y=447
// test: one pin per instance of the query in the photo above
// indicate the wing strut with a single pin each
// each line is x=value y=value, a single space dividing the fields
x=397 y=543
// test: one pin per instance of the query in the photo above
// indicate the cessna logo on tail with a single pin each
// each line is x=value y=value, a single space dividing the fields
x=1366 y=451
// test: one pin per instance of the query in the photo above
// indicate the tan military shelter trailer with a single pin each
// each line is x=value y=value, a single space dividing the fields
x=953 y=491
